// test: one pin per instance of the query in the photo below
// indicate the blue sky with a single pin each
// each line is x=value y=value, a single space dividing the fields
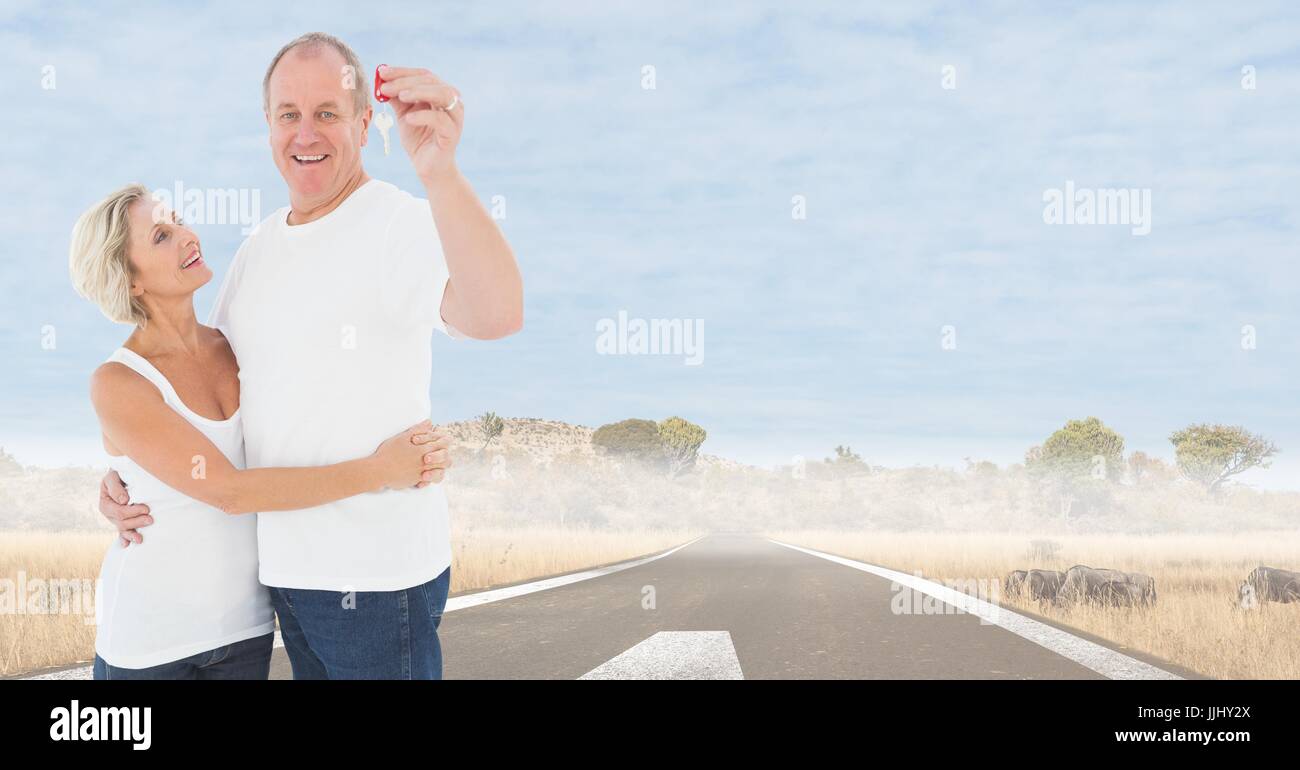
x=924 y=209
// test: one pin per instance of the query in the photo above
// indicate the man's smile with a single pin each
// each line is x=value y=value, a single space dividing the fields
x=307 y=160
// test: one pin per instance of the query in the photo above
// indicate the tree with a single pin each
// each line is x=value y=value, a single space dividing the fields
x=846 y=463
x=1139 y=466
x=1083 y=449
x=1078 y=463
x=981 y=469
x=680 y=441
x=9 y=466
x=632 y=438
x=845 y=454
x=1209 y=454
x=492 y=427
x=1143 y=469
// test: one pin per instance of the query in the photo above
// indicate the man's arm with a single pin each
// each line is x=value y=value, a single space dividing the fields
x=484 y=296
x=115 y=505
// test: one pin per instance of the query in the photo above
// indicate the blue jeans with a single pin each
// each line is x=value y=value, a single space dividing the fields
x=363 y=634
x=247 y=659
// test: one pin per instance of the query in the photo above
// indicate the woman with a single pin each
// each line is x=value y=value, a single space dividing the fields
x=189 y=605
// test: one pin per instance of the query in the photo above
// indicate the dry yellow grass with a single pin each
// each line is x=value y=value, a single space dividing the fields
x=481 y=557
x=1194 y=623
x=29 y=641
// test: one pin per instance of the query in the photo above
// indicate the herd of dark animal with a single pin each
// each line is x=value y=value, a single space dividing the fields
x=1113 y=588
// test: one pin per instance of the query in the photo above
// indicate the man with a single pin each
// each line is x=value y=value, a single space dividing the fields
x=330 y=305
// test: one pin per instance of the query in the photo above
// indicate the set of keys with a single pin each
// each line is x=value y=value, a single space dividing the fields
x=384 y=119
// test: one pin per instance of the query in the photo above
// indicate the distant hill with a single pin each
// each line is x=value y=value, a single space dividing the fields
x=67 y=498
x=48 y=498
x=515 y=482
x=546 y=439
x=543 y=439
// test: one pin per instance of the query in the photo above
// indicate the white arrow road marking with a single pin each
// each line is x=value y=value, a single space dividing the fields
x=674 y=655
x=1103 y=660
x=456 y=602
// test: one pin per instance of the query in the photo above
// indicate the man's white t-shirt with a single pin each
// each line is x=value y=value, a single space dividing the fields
x=331 y=322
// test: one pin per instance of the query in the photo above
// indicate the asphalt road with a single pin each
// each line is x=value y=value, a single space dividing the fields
x=727 y=606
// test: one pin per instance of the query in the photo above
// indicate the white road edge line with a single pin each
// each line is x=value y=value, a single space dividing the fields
x=510 y=592
x=459 y=602
x=1103 y=660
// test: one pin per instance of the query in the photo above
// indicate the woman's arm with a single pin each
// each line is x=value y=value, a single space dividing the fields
x=140 y=424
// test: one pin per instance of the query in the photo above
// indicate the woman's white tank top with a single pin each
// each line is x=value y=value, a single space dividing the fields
x=191 y=586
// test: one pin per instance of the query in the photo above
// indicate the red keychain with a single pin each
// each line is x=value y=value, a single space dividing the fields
x=383 y=119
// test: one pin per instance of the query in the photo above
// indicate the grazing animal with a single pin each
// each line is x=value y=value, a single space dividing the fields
x=1270 y=584
x=1146 y=586
x=1107 y=587
x=1014 y=584
x=1117 y=594
x=1083 y=583
x=1044 y=584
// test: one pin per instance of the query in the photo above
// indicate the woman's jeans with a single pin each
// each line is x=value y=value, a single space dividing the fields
x=363 y=634
x=248 y=659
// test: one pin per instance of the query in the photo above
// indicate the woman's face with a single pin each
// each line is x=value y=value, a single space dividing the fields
x=164 y=253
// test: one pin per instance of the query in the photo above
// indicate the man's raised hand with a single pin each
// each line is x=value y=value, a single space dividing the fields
x=429 y=131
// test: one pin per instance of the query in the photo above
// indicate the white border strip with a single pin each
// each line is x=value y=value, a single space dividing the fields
x=458 y=602
x=1103 y=660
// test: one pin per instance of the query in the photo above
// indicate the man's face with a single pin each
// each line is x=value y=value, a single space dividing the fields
x=316 y=135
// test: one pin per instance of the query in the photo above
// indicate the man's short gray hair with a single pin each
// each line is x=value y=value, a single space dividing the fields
x=313 y=41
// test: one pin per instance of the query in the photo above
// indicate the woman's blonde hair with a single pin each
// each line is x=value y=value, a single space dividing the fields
x=101 y=271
